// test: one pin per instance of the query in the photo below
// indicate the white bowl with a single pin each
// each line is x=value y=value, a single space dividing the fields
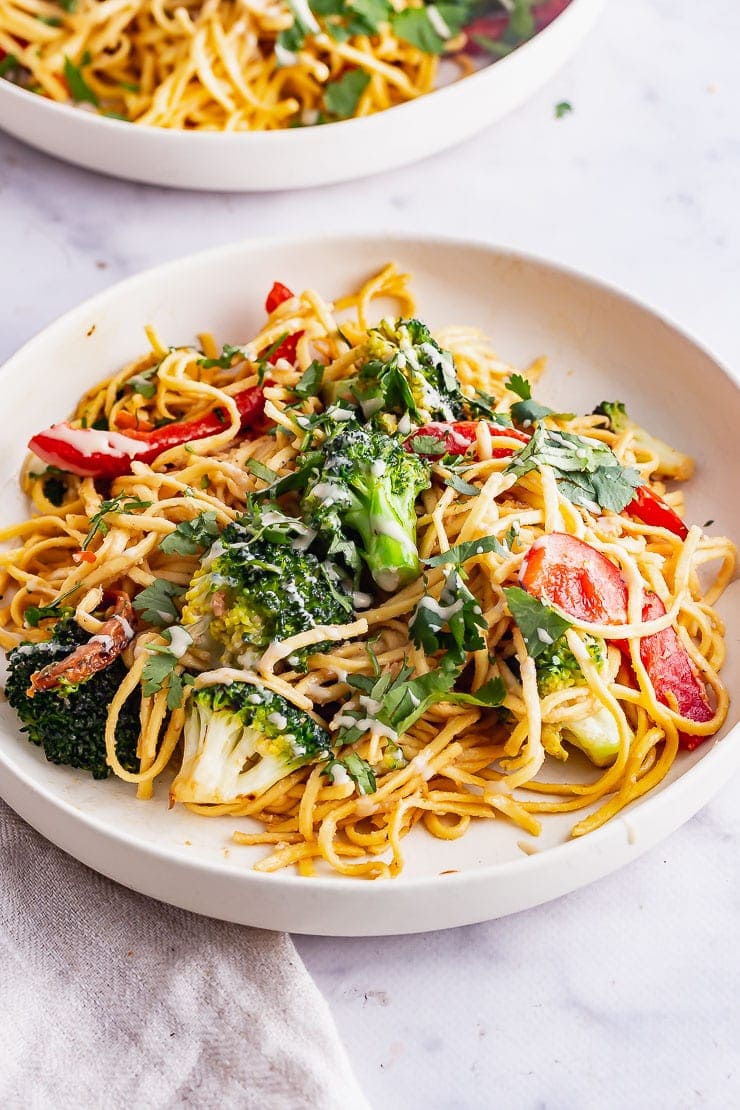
x=602 y=346
x=293 y=159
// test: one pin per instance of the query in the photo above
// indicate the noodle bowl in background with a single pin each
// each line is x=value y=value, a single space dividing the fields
x=459 y=761
x=234 y=65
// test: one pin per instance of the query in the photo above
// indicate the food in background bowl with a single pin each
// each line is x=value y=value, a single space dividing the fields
x=253 y=65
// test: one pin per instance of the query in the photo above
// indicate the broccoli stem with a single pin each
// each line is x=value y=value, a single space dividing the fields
x=388 y=538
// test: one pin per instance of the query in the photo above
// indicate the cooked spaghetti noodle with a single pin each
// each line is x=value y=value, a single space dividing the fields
x=478 y=749
x=230 y=65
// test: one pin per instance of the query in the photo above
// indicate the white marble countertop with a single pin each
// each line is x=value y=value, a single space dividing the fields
x=626 y=994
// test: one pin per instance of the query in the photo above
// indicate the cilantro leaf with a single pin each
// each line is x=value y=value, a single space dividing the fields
x=461 y=552
x=539 y=624
x=160 y=669
x=56 y=610
x=525 y=411
x=428 y=445
x=36 y=613
x=563 y=108
x=358 y=769
x=588 y=473
x=121 y=503
x=518 y=384
x=414 y=25
x=453 y=624
x=304 y=23
x=156 y=602
x=79 y=89
x=191 y=536
x=8 y=64
x=143 y=383
x=225 y=359
x=310 y=380
x=342 y=96
x=452 y=479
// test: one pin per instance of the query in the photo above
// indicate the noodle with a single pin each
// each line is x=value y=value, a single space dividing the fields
x=220 y=65
x=457 y=762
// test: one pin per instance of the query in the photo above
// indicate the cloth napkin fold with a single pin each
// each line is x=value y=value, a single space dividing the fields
x=109 y=999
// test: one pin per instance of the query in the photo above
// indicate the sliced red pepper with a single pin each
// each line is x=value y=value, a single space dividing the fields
x=652 y=509
x=277 y=295
x=459 y=437
x=672 y=672
x=92 y=453
x=571 y=574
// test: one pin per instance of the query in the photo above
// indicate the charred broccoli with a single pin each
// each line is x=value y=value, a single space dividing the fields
x=239 y=740
x=69 y=723
x=256 y=586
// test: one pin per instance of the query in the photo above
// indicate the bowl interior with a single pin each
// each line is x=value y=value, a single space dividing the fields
x=600 y=345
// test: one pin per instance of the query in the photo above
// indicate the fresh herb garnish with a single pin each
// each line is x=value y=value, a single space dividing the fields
x=539 y=624
x=588 y=473
x=342 y=96
x=563 y=108
x=9 y=64
x=224 y=360
x=156 y=602
x=526 y=411
x=121 y=503
x=79 y=89
x=56 y=611
x=309 y=383
x=143 y=383
x=461 y=552
x=454 y=624
x=191 y=536
x=358 y=769
x=160 y=669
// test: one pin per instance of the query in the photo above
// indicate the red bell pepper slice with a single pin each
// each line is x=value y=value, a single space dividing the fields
x=672 y=672
x=277 y=295
x=459 y=437
x=652 y=509
x=571 y=574
x=93 y=453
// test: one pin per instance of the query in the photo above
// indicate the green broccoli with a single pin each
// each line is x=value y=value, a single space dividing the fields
x=406 y=372
x=69 y=723
x=366 y=482
x=256 y=585
x=239 y=740
x=557 y=669
x=671 y=463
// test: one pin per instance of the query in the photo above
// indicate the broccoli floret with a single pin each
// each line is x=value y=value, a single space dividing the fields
x=671 y=463
x=406 y=371
x=69 y=723
x=367 y=483
x=557 y=666
x=557 y=669
x=239 y=740
x=255 y=586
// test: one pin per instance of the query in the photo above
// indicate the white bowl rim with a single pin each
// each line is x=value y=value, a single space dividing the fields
x=298 y=134
x=723 y=753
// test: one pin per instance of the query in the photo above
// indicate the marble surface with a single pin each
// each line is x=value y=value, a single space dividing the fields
x=626 y=994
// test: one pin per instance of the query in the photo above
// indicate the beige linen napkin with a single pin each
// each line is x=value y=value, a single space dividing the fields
x=109 y=999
